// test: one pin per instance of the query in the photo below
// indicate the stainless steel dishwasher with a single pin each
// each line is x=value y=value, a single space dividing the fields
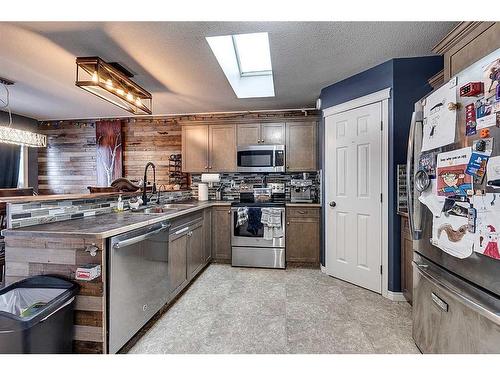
x=138 y=280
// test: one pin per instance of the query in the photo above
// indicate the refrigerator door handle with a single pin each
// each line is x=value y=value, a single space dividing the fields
x=415 y=233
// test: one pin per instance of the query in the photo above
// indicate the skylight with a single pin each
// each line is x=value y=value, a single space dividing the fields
x=246 y=62
x=253 y=54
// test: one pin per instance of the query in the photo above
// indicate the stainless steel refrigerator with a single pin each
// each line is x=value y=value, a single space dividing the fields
x=456 y=302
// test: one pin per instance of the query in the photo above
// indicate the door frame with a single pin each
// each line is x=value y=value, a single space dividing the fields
x=381 y=97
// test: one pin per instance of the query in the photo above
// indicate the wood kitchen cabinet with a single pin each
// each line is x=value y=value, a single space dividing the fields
x=303 y=235
x=195 y=148
x=466 y=43
x=406 y=260
x=207 y=230
x=222 y=148
x=248 y=134
x=221 y=233
x=208 y=148
x=177 y=262
x=186 y=251
x=301 y=146
x=265 y=133
x=195 y=250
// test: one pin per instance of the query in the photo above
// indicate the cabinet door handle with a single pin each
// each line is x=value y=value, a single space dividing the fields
x=229 y=212
x=287 y=223
x=206 y=166
x=301 y=212
x=287 y=167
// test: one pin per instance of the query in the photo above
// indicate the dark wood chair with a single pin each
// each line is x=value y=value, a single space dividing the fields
x=102 y=189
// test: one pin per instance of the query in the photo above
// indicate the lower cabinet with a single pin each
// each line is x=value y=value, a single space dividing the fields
x=303 y=235
x=221 y=233
x=187 y=253
x=406 y=260
x=195 y=250
x=207 y=230
x=177 y=261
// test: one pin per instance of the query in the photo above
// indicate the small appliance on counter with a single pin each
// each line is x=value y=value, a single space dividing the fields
x=301 y=191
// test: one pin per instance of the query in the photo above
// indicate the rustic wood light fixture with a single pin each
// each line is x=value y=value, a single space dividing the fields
x=112 y=83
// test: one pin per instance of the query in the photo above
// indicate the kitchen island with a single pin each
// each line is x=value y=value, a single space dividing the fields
x=59 y=248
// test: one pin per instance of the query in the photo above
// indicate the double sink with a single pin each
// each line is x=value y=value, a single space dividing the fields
x=164 y=209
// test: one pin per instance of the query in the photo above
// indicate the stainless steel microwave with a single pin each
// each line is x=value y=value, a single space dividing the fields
x=261 y=158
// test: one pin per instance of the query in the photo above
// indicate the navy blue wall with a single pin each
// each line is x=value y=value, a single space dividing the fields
x=407 y=79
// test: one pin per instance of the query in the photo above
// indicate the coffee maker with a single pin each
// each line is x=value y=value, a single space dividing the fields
x=301 y=190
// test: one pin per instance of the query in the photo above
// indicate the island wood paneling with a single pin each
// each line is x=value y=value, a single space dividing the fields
x=68 y=164
x=30 y=256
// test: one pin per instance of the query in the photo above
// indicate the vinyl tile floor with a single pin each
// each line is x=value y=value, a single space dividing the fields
x=249 y=310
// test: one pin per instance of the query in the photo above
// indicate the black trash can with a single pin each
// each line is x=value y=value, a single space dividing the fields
x=36 y=316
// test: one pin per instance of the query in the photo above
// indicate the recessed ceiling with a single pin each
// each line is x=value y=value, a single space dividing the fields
x=174 y=62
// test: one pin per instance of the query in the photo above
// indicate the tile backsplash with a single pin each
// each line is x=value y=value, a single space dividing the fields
x=232 y=181
x=26 y=214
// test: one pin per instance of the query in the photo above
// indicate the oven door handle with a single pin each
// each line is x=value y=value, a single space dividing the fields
x=140 y=238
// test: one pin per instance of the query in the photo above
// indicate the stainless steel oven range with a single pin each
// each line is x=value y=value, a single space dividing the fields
x=251 y=245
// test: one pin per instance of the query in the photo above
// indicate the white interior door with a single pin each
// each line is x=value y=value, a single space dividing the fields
x=353 y=173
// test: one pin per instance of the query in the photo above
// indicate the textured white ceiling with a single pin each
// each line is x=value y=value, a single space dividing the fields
x=174 y=62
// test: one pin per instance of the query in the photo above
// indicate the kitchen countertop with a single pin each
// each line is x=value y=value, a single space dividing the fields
x=112 y=224
x=107 y=225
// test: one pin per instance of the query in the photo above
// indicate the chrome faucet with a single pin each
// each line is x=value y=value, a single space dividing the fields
x=144 y=183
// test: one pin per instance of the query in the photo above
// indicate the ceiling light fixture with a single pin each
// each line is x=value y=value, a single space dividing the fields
x=112 y=82
x=10 y=135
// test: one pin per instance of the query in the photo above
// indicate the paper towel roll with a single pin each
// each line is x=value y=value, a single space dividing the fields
x=202 y=192
x=210 y=177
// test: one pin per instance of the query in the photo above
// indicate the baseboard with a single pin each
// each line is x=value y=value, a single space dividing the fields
x=396 y=296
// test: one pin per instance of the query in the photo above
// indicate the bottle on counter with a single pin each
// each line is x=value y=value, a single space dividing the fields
x=119 y=207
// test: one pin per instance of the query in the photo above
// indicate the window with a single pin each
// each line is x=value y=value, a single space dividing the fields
x=253 y=54
x=246 y=62
x=22 y=179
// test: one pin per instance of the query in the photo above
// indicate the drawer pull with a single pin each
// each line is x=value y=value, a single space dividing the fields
x=301 y=212
x=439 y=302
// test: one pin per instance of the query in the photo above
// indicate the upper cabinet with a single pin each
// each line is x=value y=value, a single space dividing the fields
x=467 y=43
x=272 y=133
x=212 y=148
x=222 y=148
x=301 y=146
x=195 y=148
x=208 y=148
x=266 y=133
x=248 y=134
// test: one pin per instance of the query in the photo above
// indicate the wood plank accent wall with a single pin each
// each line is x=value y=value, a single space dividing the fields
x=30 y=256
x=68 y=164
x=150 y=140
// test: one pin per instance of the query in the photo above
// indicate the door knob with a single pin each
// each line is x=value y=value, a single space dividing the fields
x=333 y=204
